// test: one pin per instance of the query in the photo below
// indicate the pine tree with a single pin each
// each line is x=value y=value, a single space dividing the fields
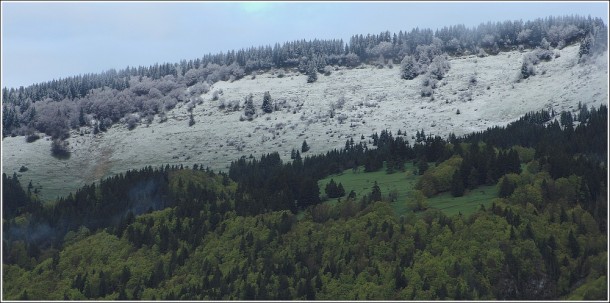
x=563 y=216
x=506 y=188
x=304 y=147
x=457 y=186
x=573 y=244
x=81 y=117
x=341 y=190
x=408 y=68
x=473 y=178
x=267 y=107
x=376 y=193
x=331 y=189
x=422 y=166
x=399 y=279
x=312 y=73
x=191 y=120
x=249 y=109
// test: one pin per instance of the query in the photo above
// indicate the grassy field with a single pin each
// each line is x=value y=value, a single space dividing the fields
x=403 y=182
x=467 y=204
x=362 y=183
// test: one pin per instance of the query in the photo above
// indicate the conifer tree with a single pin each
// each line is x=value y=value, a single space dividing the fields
x=506 y=188
x=573 y=244
x=376 y=193
x=312 y=73
x=267 y=106
x=249 y=109
x=304 y=147
x=457 y=186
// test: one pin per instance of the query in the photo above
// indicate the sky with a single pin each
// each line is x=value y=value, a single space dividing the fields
x=42 y=41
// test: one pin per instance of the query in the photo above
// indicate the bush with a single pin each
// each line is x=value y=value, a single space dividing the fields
x=351 y=60
x=32 y=138
x=527 y=69
x=544 y=54
x=417 y=201
x=162 y=117
x=23 y=169
x=426 y=91
x=60 y=149
x=191 y=120
x=132 y=121
x=327 y=70
x=312 y=76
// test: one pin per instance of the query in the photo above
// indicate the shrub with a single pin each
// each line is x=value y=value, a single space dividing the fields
x=60 y=149
x=31 y=138
x=527 y=69
x=426 y=91
x=191 y=120
x=327 y=70
x=215 y=95
x=162 y=117
x=416 y=200
x=351 y=60
x=312 y=76
x=23 y=169
x=544 y=54
x=473 y=79
x=132 y=121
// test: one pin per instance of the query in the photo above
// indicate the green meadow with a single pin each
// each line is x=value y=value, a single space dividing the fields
x=402 y=182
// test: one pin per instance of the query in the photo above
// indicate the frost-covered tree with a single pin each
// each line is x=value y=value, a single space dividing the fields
x=249 y=110
x=408 y=68
x=524 y=36
x=312 y=72
x=132 y=120
x=527 y=68
x=426 y=91
x=544 y=44
x=267 y=107
x=191 y=120
x=385 y=49
x=199 y=88
x=351 y=60
x=439 y=67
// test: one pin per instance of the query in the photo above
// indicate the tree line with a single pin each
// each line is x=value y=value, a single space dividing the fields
x=136 y=94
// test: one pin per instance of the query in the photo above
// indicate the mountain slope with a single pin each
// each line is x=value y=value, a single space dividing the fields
x=374 y=99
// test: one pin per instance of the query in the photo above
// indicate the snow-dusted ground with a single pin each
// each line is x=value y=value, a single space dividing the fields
x=375 y=99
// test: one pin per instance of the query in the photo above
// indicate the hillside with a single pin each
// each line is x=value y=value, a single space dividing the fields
x=374 y=99
x=536 y=232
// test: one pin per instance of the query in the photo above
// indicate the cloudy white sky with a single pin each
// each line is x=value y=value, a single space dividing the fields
x=42 y=41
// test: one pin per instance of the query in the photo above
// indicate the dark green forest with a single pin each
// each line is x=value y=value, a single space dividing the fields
x=264 y=231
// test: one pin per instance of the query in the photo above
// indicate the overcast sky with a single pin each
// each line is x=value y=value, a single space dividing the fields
x=42 y=41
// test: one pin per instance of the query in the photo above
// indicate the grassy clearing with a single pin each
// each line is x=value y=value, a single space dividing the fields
x=362 y=183
x=403 y=182
x=467 y=204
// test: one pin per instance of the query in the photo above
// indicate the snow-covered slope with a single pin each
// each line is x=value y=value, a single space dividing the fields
x=374 y=99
